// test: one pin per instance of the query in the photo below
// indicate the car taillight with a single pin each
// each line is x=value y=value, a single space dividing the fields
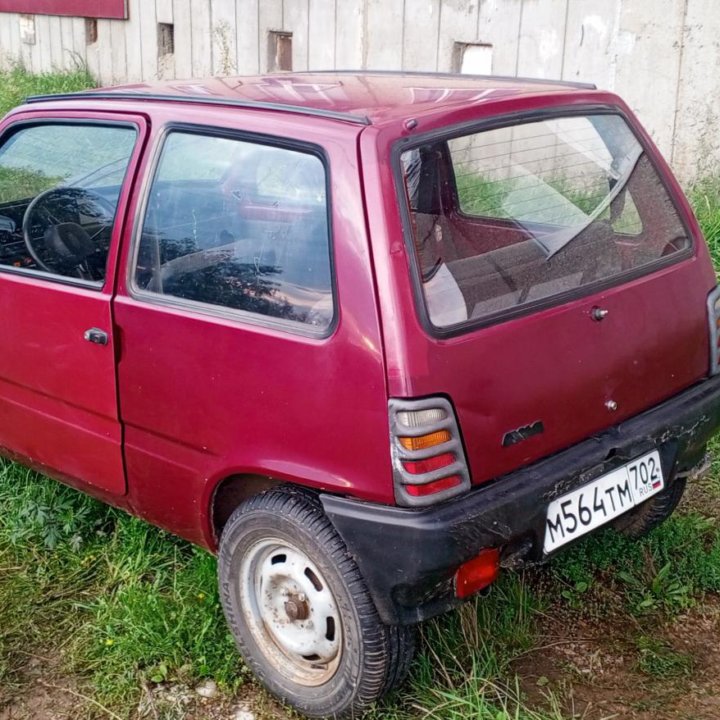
x=714 y=320
x=478 y=573
x=428 y=458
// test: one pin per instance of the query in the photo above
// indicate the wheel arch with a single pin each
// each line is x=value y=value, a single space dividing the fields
x=230 y=492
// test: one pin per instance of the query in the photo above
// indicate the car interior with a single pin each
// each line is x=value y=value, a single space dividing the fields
x=490 y=264
x=65 y=230
x=221 y=243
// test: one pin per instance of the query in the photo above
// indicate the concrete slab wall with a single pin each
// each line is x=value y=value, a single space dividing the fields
x=662 y=57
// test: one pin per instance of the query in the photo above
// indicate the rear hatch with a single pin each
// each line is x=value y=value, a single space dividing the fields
x=556 y=279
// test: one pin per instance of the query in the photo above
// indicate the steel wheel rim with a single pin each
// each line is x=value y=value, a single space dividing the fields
x=291 y=612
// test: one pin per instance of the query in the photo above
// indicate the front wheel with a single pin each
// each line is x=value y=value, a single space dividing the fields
x=300 y=611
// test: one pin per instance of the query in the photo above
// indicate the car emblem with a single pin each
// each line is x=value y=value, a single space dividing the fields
x=513 y=437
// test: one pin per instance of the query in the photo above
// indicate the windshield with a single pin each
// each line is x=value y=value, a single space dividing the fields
x=520 y=214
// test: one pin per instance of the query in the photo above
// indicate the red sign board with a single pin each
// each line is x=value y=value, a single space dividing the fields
x=116 y=9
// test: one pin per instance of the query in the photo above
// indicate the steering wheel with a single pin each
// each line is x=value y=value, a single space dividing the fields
x=66 y=244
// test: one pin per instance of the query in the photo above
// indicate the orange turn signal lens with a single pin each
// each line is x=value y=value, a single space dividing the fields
x=478 y=573
x=425 y=441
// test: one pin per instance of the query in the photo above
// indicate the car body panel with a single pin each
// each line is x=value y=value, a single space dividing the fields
x=230 y=397
x=58 y=392
x=204 y=397
x=554 y=368
x=374 y=97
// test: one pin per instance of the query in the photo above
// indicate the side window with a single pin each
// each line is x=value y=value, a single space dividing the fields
x=239 y=225
x=59 y=189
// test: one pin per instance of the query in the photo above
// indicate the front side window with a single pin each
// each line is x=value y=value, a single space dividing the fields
x=521 y=214
x=59 y=190
x=239 y=225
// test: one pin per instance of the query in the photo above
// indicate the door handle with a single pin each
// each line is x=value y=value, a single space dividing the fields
x=97 y=336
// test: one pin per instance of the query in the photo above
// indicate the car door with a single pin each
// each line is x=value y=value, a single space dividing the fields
x=237 y=358
x=63 y=192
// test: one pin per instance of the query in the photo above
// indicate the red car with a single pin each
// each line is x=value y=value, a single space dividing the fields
x=370 y=337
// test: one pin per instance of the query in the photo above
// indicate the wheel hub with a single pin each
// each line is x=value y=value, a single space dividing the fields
x=297 y=608
x=292 y=612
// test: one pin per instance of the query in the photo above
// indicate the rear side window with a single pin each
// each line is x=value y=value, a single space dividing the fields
x=239 y=225
x=518 y=215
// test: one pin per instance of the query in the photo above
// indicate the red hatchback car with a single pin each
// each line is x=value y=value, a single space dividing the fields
x=369 y=336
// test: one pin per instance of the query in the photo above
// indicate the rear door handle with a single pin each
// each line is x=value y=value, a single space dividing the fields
x=97 y=336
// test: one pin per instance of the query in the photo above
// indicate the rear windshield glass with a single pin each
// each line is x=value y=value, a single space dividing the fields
x=520 y=214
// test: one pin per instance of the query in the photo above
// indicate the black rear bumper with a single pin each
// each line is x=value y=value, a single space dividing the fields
x=409 y=557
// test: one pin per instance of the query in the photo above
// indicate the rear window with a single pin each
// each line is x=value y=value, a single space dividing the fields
x=519 y=215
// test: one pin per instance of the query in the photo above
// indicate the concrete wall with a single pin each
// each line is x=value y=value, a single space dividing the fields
x=661 y=56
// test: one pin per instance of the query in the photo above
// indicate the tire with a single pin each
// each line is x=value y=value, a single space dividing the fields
x=300 y=611
x=647 y=516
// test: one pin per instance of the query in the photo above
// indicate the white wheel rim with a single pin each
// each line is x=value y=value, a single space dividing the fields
x=291 y=612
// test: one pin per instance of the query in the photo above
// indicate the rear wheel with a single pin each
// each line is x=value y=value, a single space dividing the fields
x=647 y=516
x=300 y=611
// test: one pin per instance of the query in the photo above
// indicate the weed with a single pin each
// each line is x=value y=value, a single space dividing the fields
x=221 y=35
x=136 y=604
x=483 y=196
x=711 y=481
x=658 y=591
x=575 y=593
x=658 y=659
x=44 y=513
x=161 y=624
x=665 y=571
x=17 y=183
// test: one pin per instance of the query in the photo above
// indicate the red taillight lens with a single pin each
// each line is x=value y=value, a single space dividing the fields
x=420 y=467
x=433 y=487
x=428 y=458
x=478 y=573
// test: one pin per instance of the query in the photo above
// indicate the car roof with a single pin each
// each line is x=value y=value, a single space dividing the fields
x=364 y=97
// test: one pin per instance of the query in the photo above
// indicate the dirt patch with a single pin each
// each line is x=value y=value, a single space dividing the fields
x=702 y=495
x=592 y=666
x=42 y=692
x=626 y=668
x=182 y=703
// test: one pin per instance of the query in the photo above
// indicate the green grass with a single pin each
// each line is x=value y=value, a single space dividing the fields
x=17 y=84
x=705 y=199
x=118 y=605
x=123 y=601
x=676 y=563
x=526 y=199
x=19 y=183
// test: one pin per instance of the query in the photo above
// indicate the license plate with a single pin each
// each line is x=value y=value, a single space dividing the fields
x=602 y=500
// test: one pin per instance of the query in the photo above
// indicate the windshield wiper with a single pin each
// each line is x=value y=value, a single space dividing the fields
x=87 y=179
x=553 y=243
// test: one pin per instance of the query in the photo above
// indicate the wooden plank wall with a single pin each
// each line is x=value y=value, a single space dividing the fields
x=227 y=36
x=656 y=55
